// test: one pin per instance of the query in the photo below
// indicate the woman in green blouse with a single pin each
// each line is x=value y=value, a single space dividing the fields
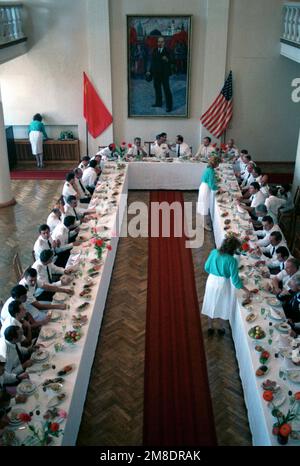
x=36 y=132
x=208 y=184
x=219 y=296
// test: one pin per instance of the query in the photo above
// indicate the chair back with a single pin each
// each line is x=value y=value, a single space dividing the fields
x=18 y=267
x=297 y=201
x=33 y=255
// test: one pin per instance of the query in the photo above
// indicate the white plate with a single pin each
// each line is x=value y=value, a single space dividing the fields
x=274 y=315
x=293 y=376
x=283 y=327
x=278 y=400
x=274 y=302
x=40 y=355
x=47 y=333
x=60 y=296
x=55 y=315
x=13 y=415
x=253 y=315
x=56 y=400
x=26 y=388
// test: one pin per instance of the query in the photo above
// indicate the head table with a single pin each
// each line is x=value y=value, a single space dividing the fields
x=110 y=200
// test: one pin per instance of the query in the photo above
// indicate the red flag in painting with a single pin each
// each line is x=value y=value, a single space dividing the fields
x=94 y=111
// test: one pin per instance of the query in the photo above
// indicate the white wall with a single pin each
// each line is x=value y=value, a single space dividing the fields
x=296 y=181
x=127 y=128
x=48 y=79
x=266 y=121
x=70 y=36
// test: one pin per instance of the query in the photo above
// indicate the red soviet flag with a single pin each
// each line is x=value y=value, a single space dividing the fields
x=94 y=111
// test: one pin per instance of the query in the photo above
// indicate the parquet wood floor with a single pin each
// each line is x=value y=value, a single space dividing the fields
x=19 y=225
x=113 y=413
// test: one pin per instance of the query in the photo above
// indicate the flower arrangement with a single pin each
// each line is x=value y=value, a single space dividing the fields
x=282 y=428
x=47 y=430
x=100 y=245
x=121 y=150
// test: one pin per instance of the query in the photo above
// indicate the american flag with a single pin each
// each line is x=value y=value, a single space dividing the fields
x=217 y=117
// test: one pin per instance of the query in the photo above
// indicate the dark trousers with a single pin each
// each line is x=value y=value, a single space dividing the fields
x=85 y=200
x=159 y=82
x=62 y=258
x=45 y=296
x=90 y=189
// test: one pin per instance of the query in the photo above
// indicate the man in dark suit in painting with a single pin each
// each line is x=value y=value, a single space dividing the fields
x=160 y=71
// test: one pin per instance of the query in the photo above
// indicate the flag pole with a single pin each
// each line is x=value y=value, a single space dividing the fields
x=87 y=138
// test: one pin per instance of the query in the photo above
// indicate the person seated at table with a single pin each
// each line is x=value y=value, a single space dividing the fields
x=248 y=178
x=222 y=268
x=45 y=241
x=181 y=148
x=261 y=211
x=291 y=300
x=136 y=149
x=285 y=193
x=108 y=153
x=5 y=379
x=37 y=309
x=160 y=148
x=17 y=357
x=205 y=149
x=273 y=203
x=85 y=160
x=90 y=177
x=17 y=293
x=239 y=165
x=45 y=275
x=100 y=162
x=256 y=198
x=231 y=151
x=277 y=264
x=16 y=317
x=71 y=209
x=276 y=241
x=70 y=188
x=54 y=218
x=208 y=184
x=20 y=292
x=62 y=232
x=263 y=180
x=268 y=227
x=282 y=279
x=85 y=196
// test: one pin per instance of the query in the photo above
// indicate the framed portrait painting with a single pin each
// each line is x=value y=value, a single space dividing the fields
x=158 y=66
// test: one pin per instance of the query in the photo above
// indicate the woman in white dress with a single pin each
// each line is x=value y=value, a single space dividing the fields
x=36 y=133
x=223 y=270
x=208 y=184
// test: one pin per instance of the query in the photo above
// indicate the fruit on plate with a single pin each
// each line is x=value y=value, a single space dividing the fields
x=254 y=291
x=251 y=317
x=72 y=336
x=258 y=348
x=264 y=357
x=256 y=332
x=224 y=214
x=262 y=370
x=227 y=221
x=270 y=385
x=82 y=306
x=65 y=370
x=246 y=301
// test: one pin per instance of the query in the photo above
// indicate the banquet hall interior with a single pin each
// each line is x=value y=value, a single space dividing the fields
x=145 y=369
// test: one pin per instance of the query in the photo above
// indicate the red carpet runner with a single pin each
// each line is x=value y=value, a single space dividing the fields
x=177 y=404
x=39 y=174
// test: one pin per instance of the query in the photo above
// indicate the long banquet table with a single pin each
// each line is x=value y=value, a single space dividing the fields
x=141 y=175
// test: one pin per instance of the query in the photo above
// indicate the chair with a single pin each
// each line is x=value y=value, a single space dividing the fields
x=18 y=266
x=295 y=249
x=33 y=255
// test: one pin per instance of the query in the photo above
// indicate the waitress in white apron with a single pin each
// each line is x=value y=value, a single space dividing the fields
x=223 y=271
x=36 y=133
x=208 y=184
